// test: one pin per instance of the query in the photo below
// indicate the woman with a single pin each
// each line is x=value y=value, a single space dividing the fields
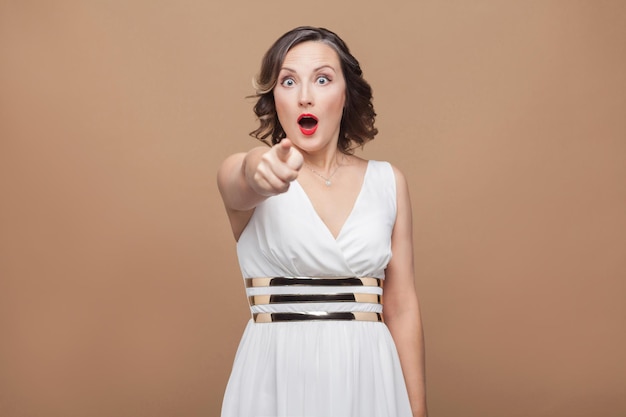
x=315 y=227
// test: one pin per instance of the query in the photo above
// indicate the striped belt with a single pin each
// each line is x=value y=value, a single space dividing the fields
x=342 y=316
x=303 y=293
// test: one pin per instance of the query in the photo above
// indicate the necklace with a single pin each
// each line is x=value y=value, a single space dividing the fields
x=327 y=181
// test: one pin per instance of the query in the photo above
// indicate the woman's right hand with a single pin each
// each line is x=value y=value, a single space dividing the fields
x=276 y=169
x=246 y=179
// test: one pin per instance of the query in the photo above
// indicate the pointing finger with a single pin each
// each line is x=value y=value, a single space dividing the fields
x=296 y=160
x=283 y=149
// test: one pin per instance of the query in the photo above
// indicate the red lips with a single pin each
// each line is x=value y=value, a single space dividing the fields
x=308 y=123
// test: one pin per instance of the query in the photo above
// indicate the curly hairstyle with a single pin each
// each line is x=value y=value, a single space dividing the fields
x=357 y=122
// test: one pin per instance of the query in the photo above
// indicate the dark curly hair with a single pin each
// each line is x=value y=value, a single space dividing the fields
x=357 y=122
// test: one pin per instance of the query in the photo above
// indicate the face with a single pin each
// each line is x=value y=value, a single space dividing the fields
x=310 y=95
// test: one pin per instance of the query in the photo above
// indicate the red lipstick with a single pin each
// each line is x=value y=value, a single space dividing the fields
x=308 y=123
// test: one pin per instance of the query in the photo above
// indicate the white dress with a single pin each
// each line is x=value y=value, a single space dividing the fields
x=318 y=368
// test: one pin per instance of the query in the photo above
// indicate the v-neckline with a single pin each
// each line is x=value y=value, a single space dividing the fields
x=354 y=205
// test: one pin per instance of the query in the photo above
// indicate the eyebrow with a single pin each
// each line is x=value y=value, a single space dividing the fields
x=315 y=70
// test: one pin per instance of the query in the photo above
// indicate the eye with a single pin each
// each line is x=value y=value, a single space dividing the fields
x=287 y=82
x=322 y=80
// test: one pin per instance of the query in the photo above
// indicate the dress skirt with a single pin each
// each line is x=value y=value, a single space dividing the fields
x=316 y=369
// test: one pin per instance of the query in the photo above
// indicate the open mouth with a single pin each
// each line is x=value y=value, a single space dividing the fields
x=308 y=123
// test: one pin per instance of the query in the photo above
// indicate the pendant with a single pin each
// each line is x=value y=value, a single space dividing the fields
x=328 y=183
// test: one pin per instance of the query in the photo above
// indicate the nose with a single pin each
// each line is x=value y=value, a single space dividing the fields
x=305 y=98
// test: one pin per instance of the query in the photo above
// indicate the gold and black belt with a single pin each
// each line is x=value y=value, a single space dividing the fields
x=287 y=299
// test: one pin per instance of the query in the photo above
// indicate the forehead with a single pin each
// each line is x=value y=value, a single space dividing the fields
x=311 y=54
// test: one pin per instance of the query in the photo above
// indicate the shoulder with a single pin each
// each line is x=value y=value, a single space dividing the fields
x=380 y=167
x=400 y=177
x=399 y=180
x=391 y=169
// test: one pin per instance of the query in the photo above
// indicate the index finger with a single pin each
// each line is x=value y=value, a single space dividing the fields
x=282 y=149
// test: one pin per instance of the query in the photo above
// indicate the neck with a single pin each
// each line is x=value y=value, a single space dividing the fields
x=331 y=168
x=325 y=162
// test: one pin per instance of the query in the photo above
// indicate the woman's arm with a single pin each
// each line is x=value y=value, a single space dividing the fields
x=401 y=307
x=246 y=179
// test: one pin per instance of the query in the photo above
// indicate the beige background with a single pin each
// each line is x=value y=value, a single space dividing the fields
x=120 y=294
